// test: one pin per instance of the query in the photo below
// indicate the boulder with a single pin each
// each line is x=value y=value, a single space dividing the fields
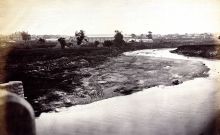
x=83 y=62
x=176 y=82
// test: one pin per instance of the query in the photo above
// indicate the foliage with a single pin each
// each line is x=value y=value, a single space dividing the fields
x=80 y=36
x=118 y=38
x=41 y=40
x=133 y=35
x=96 y=43
x=62 y=42
x=25 y=36
x=149 y=36
x=107 y=43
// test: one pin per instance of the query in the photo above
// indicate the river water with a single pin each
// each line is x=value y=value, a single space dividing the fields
x=185 y=109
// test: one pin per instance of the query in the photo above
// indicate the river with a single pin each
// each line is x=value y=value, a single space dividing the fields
x=185 y=109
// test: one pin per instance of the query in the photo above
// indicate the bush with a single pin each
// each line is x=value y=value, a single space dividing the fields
x=96 y=43
x=118 y=38
x=107 y=43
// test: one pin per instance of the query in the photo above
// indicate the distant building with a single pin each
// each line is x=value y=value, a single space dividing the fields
x=101 y=38
x=16 y=36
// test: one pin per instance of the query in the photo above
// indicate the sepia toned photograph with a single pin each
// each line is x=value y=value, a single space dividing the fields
x=109 y=67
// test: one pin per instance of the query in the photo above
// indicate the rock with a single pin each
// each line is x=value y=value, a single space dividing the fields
x=78 y=89
x=127 y=89
x=176 y=82
x=14 y=87
x=102 y=82
x=93 y=92
x=83 y=62
x=67 y=101
x=57 y=110
x=36 y=102
x=80 y=94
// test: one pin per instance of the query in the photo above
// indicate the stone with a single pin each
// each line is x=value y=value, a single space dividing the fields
x=176 y=82
x=84 y=62
x=102 y=82
x=93 y=92
x=14 y=87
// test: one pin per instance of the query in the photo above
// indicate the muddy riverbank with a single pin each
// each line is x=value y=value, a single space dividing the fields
x=204 y=51
x=55 y=78
x=188 y=108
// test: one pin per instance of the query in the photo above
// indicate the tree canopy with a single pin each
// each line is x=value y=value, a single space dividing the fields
x=118 y=38
x=25 y=36
x=80 y=36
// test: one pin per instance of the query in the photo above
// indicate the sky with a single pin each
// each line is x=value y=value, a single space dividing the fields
x=106 y=16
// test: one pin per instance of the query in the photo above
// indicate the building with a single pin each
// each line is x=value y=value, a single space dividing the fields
x=100 y=38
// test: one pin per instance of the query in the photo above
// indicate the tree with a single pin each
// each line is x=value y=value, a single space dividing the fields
x=133 y=35
x=25 y=36
x=118 y=38
x=149 y=36
x=218 y=37
x=62 y=42
x=41 y=40
x=107 y=43
x=80 y=36
x=96 y=43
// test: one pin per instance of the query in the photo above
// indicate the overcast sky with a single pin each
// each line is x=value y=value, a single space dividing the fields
x=105 y=16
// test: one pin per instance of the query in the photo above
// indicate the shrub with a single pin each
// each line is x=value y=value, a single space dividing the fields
x=108 y=43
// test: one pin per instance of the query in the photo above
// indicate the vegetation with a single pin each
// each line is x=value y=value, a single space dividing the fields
x=96 y=43
x=149 y=36
x=118 y=38
x=107 y=43
x=80 y=36
x=41 y=41
x=133 y=35
x=62 y=42
x=25 y=36
x=205 y=51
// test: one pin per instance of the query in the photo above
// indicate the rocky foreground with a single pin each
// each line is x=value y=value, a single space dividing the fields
x=61 y=78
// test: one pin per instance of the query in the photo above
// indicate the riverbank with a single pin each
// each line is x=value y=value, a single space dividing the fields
x=185 y=109
x=205 y=51
x=55 y=78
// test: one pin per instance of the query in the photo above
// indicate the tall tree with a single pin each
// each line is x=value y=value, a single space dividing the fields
x=62 y=42
x=149 y=36
x=118 y=38
x=25 y=36
x=80 y=36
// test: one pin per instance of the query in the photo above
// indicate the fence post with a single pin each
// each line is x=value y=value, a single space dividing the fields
x=16 y=115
